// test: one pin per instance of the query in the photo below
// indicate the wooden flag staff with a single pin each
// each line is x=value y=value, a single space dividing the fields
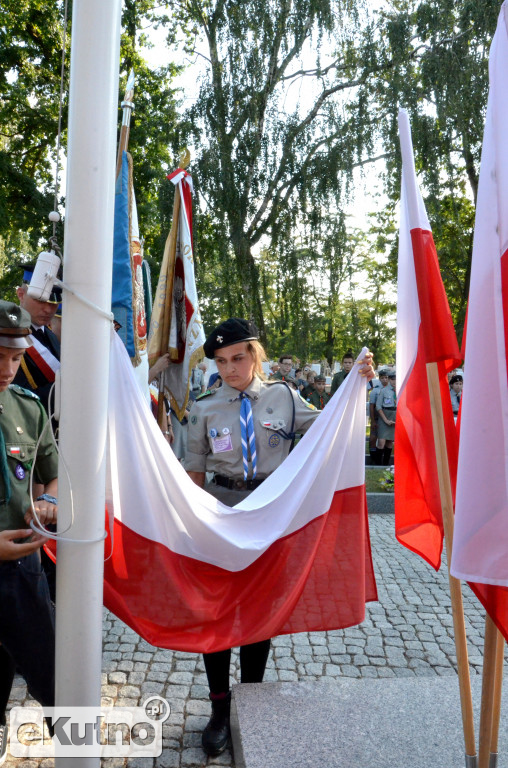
x=492 y=679
x=459 y=628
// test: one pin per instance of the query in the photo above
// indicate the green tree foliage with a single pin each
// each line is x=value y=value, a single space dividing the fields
x=434 y=60
x=31 y=36
x=31 y=45
x=154 y=134
x=274 y=139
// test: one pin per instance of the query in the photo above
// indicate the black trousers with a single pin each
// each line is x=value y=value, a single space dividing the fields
x=253 y=660
x=27 y=630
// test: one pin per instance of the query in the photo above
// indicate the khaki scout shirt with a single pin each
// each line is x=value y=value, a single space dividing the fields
x=272 y=411
x=386 y=399
x=22 y=419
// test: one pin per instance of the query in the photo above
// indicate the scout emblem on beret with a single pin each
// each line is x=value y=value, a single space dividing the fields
x=12 y=317
x=220 y=339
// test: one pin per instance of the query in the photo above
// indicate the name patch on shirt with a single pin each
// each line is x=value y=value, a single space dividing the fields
x=222 y=443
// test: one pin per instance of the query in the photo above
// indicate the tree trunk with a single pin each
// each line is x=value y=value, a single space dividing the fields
x=249 y=278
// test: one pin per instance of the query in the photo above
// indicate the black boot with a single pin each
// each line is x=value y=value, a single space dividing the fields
x=216 y=734
x=387 y=454
x=378 y=458
x=373 y=456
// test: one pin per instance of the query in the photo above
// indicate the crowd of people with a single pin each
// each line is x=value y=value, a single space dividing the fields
x=314 y=389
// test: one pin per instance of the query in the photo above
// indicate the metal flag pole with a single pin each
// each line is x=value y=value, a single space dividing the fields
x=95 y=54
x=444 y=481
x=127 y=107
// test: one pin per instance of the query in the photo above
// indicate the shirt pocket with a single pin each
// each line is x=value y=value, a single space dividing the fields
x=20 y=453
x=272 y=428
x=274 y=423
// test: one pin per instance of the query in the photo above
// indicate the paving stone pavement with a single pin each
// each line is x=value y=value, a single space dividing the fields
x=408 y=633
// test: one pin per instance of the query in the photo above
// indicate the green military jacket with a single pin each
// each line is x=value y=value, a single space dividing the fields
x=337 y=381
x=318 y=400
x=22 y=420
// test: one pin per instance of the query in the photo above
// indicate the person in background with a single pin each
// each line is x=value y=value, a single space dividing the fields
x=157 y=368
x=285 y=366
x=42 y=360
x=214 y=381
x=56 y=323
x=347 y=364
x=319 y=398
x=197 y=382
x=386 y=406
x=456 y=383
x=373 y=414
x=309 y=389
x=301 y=382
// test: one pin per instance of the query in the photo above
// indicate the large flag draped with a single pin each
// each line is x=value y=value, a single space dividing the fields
x=425 y=334
x=480 y=551
x=176 y=325
x=189 y=573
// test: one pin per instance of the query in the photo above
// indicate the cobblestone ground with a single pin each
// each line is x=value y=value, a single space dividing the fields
x=408 y=633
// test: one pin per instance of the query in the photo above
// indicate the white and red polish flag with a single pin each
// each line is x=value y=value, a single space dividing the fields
x=480 y=548
x=425 y=334
x=189 y=573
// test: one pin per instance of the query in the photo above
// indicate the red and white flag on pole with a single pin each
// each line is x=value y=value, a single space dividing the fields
x=189 y=573
x=425 y=334
x=480 y=550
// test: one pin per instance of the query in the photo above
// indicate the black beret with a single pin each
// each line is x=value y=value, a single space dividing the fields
x=230 y=332
x=455 y=379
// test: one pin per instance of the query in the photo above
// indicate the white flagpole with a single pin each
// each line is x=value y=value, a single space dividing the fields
x=95 y=54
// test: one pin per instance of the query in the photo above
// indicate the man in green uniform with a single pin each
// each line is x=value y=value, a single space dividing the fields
x=42 y=360
x=319 y=397
x=26 y=614
x=347 y=363
x=285 y=366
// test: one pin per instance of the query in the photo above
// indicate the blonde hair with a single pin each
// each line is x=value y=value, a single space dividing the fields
x=259 y=356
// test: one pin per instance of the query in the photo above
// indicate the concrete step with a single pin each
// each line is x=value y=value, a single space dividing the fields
x=381 y=503
x=347 y=723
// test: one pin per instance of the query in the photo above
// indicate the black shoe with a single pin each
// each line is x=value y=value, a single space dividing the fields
x=216 y=734
x=4 y=732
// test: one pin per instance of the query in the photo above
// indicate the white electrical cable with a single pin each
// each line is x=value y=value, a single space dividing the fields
x=39 y=527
